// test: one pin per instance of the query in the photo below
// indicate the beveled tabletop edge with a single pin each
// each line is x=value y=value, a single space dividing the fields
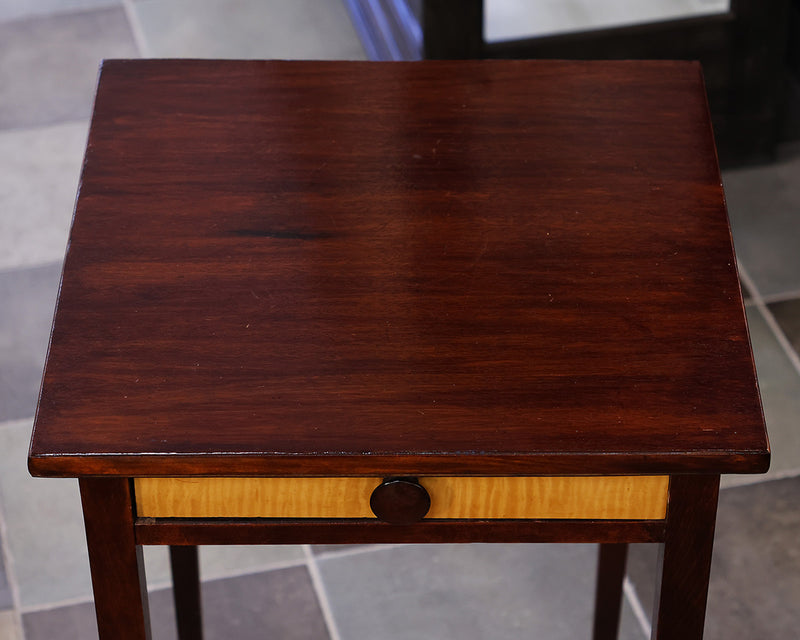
x=251 y=465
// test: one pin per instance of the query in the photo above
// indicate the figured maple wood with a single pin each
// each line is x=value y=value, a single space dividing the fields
x=593 y=498
x=254 y=497
x=441 y=268
x=584 y=498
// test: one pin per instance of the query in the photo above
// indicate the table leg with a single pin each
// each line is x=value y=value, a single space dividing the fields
x=685 y=558
x=186 y=591
x=120 y=590
x=608 y=596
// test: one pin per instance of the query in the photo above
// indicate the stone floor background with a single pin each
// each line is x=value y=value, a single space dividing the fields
x=49 y=54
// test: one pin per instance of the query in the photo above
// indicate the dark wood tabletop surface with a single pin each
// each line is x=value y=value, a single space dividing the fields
x=342 y=268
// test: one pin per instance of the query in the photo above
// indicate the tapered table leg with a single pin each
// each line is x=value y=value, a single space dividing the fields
x=608 y=596
x=685 y=558
x=186 y=591
x=120 y=590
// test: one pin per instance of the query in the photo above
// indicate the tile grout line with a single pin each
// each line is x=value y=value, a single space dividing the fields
x=276 y=565
x=263 y=568
x=11 y=576
x=759 y=303
x=163 y=584
x=749 y=480
x=136 y=29
x=636 y=604
x=322 y=594
x=46 y=264
x=39 y=128
x=10 y=424
x=774 y=298
x=784 y=296
x=59 y=604
x=289 y=564
x=347 y=553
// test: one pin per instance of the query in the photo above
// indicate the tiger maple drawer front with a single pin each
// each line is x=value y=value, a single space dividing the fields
x=539 y=497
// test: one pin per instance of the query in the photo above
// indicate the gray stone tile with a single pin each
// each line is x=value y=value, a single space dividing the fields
x=223 y=561
x=302 y=29
x=48 y=66
x=333 y=548
x=8 y=626
x=6 y=599
x=75 y=622
x=755 y=575
x=44 y=525
x=16 y=9
x=787 y=313
x=39 y=171
x=642 y=567
x=629 y=627
x=780 y=392
x=755 y=581
x=29 y=297
x=465 y=591
x=227 y=560
x=763 y=203
x=277 y=604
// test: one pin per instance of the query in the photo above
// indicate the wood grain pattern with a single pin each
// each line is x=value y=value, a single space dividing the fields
x=613 y=497
x=619 y=498
x=684 y=562
x=254 y=497
x=115 y=559
x=463 y=268
x=611 y=563
x=184 y=565
x=181 y=531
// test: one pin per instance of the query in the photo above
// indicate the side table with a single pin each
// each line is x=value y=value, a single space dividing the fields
x=342 y=302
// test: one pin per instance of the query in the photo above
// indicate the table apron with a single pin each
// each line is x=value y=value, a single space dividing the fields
x=462 y=497
x=188 y=531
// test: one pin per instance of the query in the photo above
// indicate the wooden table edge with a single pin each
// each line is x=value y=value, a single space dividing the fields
x=187 y=531
x=255 y=465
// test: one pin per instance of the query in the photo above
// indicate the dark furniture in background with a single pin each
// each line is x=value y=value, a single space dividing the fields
x=791 y=122
x=743 y=53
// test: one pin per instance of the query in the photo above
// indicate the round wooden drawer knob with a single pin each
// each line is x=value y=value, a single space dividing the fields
x=400 y=501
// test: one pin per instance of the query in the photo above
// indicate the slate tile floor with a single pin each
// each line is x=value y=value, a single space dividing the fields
x=49 y=52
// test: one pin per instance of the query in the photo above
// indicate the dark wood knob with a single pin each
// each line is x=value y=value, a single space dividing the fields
x=400 y=501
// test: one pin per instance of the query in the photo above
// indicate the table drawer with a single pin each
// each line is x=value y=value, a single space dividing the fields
x=556 y=497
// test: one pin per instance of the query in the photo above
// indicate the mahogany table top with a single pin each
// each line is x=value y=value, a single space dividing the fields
x=345 y=268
